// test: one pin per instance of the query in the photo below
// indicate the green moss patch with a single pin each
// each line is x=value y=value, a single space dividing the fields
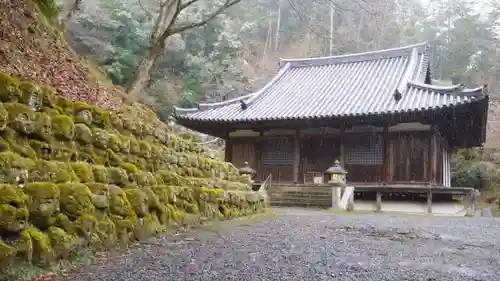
x=76 y=176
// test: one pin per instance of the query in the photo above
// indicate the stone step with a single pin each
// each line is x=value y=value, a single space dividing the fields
x=300 y=194
x=304 y=196
x=302 y=203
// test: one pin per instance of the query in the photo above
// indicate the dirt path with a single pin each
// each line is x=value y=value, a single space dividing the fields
x=314 y=245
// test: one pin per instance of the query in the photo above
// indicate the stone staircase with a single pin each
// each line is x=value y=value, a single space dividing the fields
x=314 y=196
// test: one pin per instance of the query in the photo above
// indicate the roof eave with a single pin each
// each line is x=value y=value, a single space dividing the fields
x=373 y=55
x=456 y=90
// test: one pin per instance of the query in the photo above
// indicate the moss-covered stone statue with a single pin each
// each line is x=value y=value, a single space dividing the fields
x=13 y=222
x=139 y=201
x=21 y=118
x=63 y=127
x=105 y=230
x=43 y=126
x=32 y=95
x=43 y=203
x=122 y=214
x=83 y=113
x=13 y=210
x=9 y=88
x=78 y=209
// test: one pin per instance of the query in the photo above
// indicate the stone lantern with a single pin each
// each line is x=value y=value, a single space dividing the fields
x=247 y=170
x=337 y=179
x=337 y=174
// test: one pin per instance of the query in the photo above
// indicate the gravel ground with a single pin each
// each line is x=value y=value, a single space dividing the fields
x=300 y=244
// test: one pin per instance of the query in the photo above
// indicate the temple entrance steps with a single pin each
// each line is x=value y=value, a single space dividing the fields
x=314 y=196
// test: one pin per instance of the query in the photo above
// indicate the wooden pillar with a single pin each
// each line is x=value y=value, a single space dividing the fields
x=433 y=153
x=388 y=156
x=228 y=153
x=258 y=157
x=379 y=201
x=429 y=202
x=341 y=148
x=296 y=157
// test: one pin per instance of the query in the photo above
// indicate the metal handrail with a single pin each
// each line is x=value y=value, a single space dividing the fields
x=265 y=184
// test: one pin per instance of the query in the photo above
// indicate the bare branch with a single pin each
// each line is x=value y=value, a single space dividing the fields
x=185 y=5
x=144 y=9
x=159 y=27
x=183 y=27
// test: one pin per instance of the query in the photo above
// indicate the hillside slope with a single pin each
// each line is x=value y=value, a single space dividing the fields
x=31 y=49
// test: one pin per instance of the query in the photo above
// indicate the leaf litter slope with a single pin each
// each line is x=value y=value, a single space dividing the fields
x=32 y=49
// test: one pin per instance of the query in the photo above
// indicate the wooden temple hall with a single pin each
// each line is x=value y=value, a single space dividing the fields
x=378 y=113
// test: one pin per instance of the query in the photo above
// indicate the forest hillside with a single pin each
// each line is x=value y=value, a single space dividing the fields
x=237 y=52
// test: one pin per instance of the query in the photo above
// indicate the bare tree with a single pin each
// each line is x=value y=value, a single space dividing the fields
x=168 y=23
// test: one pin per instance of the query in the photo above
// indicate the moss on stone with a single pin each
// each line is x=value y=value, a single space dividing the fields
x=13 y=208
x=122 y=214
x=20 y=118
x=119 y=204
x=101 y=138
x=64 y=151
x=23 y=149
x=43 y=126
x=134 y=146
x=83 y=171
x=146 y=179
x=4 y=117
x=100 y=189
x=106 y=234
x=139 y=201
x=43 y=255
x=11 y=160
x=9 y=88
x=31 y=95
x=112 y=159
x=63 y=244
x=43 y=203
x=129 y=168
x=63 y=127
x=76 y=199
x=49 y=96
x=83 y=134
x=115 y=143
x=118 y=176
x=101 y=118
x=165 y=181
x=101 y=174
x=65 y=106
x=53 y=171
x=7 y=255
x=116 y=121
x=83 y=113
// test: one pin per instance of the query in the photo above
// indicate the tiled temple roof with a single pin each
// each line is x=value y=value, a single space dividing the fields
x=366 y=84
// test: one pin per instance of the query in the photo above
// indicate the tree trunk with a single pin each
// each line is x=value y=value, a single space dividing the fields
x=278 y=23
x=143 y=72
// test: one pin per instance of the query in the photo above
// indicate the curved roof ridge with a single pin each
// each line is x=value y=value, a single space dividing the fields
x=457 y=90
x=185 y=110
x=372 y=55
x=203 y=106
x=410 y=69
x=245 y=104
